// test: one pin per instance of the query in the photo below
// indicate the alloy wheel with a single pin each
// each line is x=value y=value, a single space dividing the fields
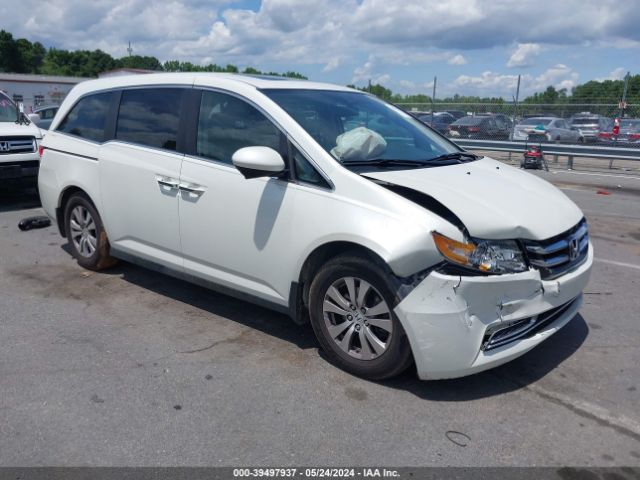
x=83 y=231
x=357 y=318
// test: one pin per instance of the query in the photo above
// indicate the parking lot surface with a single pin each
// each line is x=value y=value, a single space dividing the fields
x=130 y=367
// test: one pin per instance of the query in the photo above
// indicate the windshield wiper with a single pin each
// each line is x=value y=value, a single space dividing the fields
x=386 y=162
x=461 y=157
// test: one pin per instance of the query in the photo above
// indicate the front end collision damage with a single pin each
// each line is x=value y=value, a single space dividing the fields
x=450 y=313
x=446 y=317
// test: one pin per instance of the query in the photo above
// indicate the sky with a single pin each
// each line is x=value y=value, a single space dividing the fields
x=474 y=47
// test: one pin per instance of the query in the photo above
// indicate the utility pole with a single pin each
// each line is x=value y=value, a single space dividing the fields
x=129 y=49
x=515 y=107
x=623 y=104
x=433 y=98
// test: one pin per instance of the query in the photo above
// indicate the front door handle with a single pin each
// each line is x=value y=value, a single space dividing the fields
x=167 y=181
x=195 y=189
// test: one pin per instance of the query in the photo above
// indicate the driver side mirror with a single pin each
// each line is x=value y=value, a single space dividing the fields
x=256 y=162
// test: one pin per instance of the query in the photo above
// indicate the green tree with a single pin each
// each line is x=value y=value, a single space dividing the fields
x=9 y=54
x=138 y=61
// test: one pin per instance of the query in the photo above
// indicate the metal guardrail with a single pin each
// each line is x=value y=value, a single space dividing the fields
x=570 y=151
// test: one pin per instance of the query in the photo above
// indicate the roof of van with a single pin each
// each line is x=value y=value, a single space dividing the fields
x=207 y=78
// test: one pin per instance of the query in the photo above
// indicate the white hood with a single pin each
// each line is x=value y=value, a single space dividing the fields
x=493 y=200
x=8 y=129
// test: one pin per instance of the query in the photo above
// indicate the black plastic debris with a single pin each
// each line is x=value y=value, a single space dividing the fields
x=30 y=223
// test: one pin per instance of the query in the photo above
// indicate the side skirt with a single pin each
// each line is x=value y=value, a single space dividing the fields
x=127 y=257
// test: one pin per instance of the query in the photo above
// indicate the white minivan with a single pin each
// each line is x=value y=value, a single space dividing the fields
x=324 y=203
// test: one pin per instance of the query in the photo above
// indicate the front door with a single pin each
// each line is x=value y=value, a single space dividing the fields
x=234 y=230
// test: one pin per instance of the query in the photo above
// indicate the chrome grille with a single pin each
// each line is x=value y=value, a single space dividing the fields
x=507 y=332
x=560 y=254
x=17 y=145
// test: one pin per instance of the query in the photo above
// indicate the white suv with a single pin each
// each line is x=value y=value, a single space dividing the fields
x=19 y=142
x=324 y=203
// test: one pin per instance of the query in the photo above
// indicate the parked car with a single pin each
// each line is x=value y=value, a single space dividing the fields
x=439 y=121
x=19 y=141
x=589 y=125
x=397 y=248
x=43 y=116
x=483 y=127
x=546 y=129
x=457 y=114
x=629 y=135
x=502 y=120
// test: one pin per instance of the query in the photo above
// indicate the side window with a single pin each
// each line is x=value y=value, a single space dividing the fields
x=305 y=172
x=87 y=118
x=150 y=116
x=226 y=124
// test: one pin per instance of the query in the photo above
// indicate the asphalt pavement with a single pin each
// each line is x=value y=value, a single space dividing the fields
x=129 y=368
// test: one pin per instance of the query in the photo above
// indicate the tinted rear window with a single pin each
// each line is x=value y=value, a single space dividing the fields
x=87 y=118
x=469 y=121
x=585 y=121
x=630 y=124
x=150 y=116
x=535 y=121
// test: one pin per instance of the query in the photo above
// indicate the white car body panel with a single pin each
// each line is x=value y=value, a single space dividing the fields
x=254 y=236
x=492 y=199
x=12 y=129
x=140 y=214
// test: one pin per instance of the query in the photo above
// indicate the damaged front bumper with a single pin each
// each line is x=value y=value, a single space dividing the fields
x=459 y=325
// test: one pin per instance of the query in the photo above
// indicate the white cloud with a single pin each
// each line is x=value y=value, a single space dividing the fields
x=504 y=85
x=457 y=60
x=617 y=74
x=524 y=55
x=335 y=36
x=332 y=64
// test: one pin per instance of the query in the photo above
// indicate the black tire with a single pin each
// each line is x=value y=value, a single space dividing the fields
x=397 y=356
x=100 y=258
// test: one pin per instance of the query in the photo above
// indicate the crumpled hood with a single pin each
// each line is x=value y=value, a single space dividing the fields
x=493 y=200
x=9 y=129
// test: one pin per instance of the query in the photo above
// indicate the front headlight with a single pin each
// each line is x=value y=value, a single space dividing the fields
x=490 y=256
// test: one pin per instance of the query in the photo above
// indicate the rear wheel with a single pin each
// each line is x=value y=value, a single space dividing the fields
x=351 y=307
x=86 y=235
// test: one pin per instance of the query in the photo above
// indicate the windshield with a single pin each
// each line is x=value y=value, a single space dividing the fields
x=356 y=127
x=535 y=121
x=7 y=110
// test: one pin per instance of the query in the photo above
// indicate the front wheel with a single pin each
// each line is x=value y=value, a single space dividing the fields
x=351 y=306
x=86 y=234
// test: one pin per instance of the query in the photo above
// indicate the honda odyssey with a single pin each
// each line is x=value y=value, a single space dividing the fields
x=324 y=203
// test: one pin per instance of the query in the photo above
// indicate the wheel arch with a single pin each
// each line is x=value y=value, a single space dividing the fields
x=65 y=195
x=299 y=294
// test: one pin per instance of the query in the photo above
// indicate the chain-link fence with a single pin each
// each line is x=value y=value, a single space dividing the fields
x=576 y=123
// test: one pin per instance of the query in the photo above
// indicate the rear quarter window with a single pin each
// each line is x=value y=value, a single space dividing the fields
x=88 y=117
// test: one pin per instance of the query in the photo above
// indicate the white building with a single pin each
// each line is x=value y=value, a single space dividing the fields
x=37 y=90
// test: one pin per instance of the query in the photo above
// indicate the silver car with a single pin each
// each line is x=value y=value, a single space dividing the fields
x=547 y=129
x=43 y=116
x=590 y=125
